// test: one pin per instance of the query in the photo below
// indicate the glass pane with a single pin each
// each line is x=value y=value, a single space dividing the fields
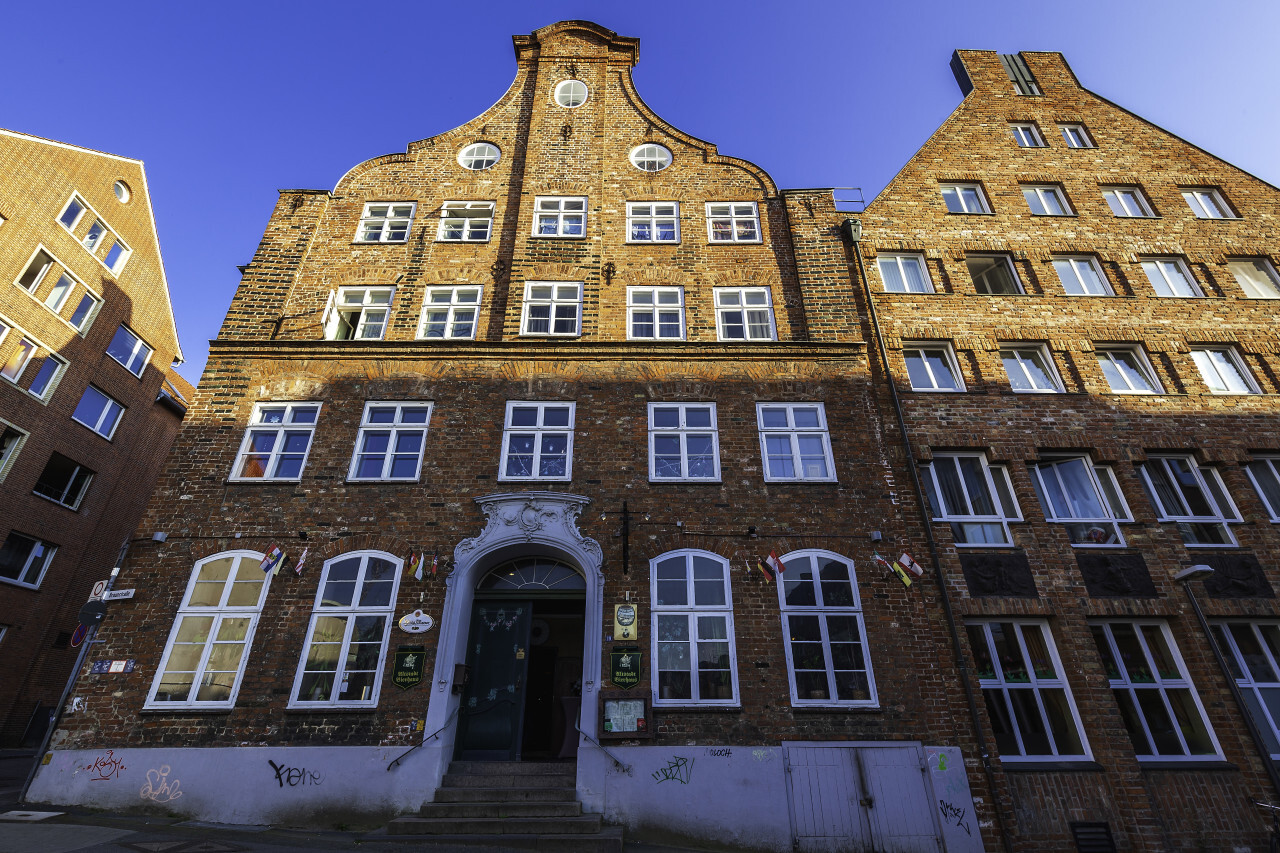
x=1002 y=726
x=194 y=629
x=798 y=587
x=1066 y=734
x=1038 y=651
x=1104 y=651
x=837 y=590
x=1133 y=722
x=1190 y=722
x=982 y=661
x=1159 y=723
x=1012 y=665
x=1131 y=655
x=1030 y=723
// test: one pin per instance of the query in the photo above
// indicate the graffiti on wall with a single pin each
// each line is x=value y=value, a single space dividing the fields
x=105 y=767
x=159 y=788
x=295 y=776
x=678 y=769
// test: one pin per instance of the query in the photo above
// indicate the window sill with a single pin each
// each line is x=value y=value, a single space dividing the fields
x=801 y=481
x=836 y=709
x=19 y=584
x=736 y=709
x=57 y=502
x=403 y=242
x=1050 y=766
x=971 y=213
x=653 y=243
x=686 y=482
x=330 y=709
x=1217 y=764
x=443 y=240
x=156 y=710
x=559 y=236
x=535 y=336
x=241 y=481
x=734 y=242
x=408 y=481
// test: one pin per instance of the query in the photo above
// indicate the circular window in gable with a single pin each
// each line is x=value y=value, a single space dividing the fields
x=571 y=93
x=122 y=191
x=478 y=156
x=650 y=158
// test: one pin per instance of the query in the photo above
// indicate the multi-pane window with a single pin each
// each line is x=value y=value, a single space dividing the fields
x=93 y=237
x=1224 y=371
x=205 y=657
x=34 y=272
x=1024 y=686
x=551 y=308
x=21 y=352
x=346 y=644
x=560 y=216
x=390 y=442
x=744 y=313
x=61 y=292
x=993 y=274
x=25 y=559
x=386 y=222
x=130 y=350
x=1264 y=471
x=976 y=498
x=904 y=273
x=11 y=441
x=1083 y=497
x=1027 y=135
x=479 y=156
x=57 y=296
x=1160 y=708
x=794 y=442
x=449 y=312
x=1169 y=276
x=1252 y=650
x=653 y=222
x=655 y=313
x=27 y=363
x=277 y=442
x=1207 y=203
x=1191 y=496
x=683 y=442
x=1076 y=136
x=537 y=442
x=932 y=367
x=1256 y=277
x=99 y=240
x=571 y=93
x=695 y=661
x=465 y=221
x=116 y=255
x=1030 y=369
x=650 y=157
x=1081 y=276
x=1128 y=371
x=1127 y=201
x=70 y=216
x=98 y=412
x=1046 y=200
x=826 y=638
x=358 y=313
x=63 y=481
x=965 y=198
x=737 y=222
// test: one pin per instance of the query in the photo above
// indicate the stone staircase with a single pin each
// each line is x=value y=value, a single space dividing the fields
x=528 y=805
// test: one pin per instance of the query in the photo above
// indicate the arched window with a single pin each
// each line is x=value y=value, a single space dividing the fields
x=695 y=661
x=204 y=659
x=826 y=637
x=533 y=574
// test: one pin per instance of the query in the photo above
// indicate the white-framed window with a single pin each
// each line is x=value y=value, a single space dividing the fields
x=98 y=412
x=1170 y=277
x=25 y=559
x=904 y=273
x=1207 y=203
x=122 y=192
x=1081 y=276
x=94 y=237
x=117 y=255
x=993 y=274
x=560 y=216
x=390 y=442
x=932 y=366
x=479 y=156
x=794 y=443
x=277 y=441
x=1193 y=497
x=62 y=288
x=60 y=294
x=29 y=364
x=1024 y=686
x=1158 y=704
x=653 y=222
x=86 y=310
x=650 y=157
x=34 y=272
x=744 y=314
x=358 y=313
x=655 y=313
x=1027 y=135
x=63 y=481
x=70 y=216
x=1224 y=371
x=1252 y=650
x=965 y=198
x=684 y=442
x=1030 y=369
x=1264 y=471
x=1256 y=277
x=11 y=441
x=695 y=658
x=204 y=659
x=1083 y=497
x=1076 y=136
x=450 y=312
x=1128 y=370
x=130 y=350
x=465 y=221
x=100 y=240
x=1128 y=202
x=1046 y=200
x=341 y=665
x=973 y=496
x=826 y=638
x=537 y=441
x=551 y=308
x=733 y=222
x=571 y=93
x=386 y=222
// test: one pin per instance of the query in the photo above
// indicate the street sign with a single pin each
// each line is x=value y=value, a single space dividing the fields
x=98 y=589
x=115 y=594
x=92 y=613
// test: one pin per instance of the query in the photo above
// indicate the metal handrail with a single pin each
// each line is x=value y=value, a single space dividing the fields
x=436 y=733
x=577 y=725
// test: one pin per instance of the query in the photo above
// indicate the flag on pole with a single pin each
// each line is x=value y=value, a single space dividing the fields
x=297 y=567
x=910 y=564
x=271 y=562
x=415 y=564
x=435 y=563
x=765 y=570
x=775 y=563
x=895 y=568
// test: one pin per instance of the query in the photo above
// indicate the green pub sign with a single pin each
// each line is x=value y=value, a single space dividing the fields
x=410 y=666
x=625 y=666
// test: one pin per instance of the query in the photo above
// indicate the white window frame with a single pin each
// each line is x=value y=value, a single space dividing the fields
x=1254 y=687
x=1222 y=510
x=363 y=320
x=479 y=156
x=1259 y=282
x=247 y=564
x=1140 y=365
x=1039 y=196
x=1064 y=505
x=41 y=274
x=1163 y=273
x=465 y=216
x=571 y=94
x=451 y=309
x=138 y=347
x=682 y=432
x=565 y=214
x=693 y=614
x=1128 y=202
x=972 y=529
x=897 y=262
x=736 y=300
x=35 y=565
x=557 y=300
x=957 y=200
x=1026 y=134
x=1126 y=687
x=922 y=351
x=79 y=201
x=389 y=217
x=657 y=309
x=646 y=213
x=999 y=261
x=108 y=417
x=806 y=568
x=394 y=430
x=1207 y=203
x=9 y=453
x=733 y=222
x=650 y=157
x=12 y=370
x=350 y=613
x=283 y=429
x=77 y=485
x=540 y=431
x=1076 y=136
x=118 y=247
x=1022 y=354
x=1263 y=471
x=1074 y=263
x=793 y=435
x=1214 y=362
x=997 y=690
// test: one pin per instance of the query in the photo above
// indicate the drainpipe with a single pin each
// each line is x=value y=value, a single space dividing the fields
x=851 y=230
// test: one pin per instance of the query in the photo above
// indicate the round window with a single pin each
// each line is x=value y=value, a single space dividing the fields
x=571 y=93
x=121 y=189
x=479 y=155
x=650 y=158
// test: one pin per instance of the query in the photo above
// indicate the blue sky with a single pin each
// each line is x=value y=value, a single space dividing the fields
x=227 y=102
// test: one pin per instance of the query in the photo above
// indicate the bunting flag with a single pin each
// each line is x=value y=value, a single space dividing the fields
x=775 y=563
x=297 y=567
x=415 y=564
x=895 y=568
x=271 y=562
x=765 y=570
x=911 y=565
x=435 y=563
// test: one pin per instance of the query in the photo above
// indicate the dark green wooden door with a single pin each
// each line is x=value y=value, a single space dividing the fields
x=489 y=721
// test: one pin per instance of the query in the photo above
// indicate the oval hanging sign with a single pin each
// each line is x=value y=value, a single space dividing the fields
x=416 y=622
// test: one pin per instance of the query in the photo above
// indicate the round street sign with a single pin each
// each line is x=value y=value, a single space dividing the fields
x=92 y=613
x=416 y=622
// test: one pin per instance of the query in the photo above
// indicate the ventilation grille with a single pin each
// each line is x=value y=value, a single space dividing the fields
x=1093 y=837
x=1019 y=73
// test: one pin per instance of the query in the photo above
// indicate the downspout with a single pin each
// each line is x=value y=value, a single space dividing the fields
x=851 y=230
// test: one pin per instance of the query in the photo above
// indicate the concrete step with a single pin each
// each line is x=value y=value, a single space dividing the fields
x=580 y=825
x=608 y=840
x=493 y=780
x=568 y=808
x=515 y=768
x=506 y=795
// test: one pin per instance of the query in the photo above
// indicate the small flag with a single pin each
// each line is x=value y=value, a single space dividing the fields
x=435 y=563
x=895 y=568
x=297 y=567
x=765 y=570
x=775 y=563
x=271 y=562
x=910 y=564
x=415 y=564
